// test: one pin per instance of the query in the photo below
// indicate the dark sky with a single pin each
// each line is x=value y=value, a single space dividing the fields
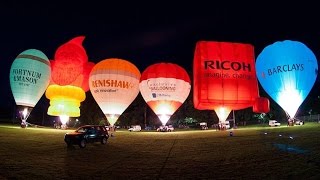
x=149 y=32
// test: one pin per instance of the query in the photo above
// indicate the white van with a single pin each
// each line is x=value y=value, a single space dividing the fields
x=274 y=123
x=227 y=124
x=135 y=128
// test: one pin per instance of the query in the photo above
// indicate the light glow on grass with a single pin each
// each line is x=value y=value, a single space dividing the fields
x=42 y=152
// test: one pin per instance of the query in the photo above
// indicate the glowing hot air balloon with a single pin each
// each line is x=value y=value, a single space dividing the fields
x=29 y=77
x=287 y=71
x=69 y=81
x=224 y=77
x=261 y=105
x=165 y=87
x=114 y=84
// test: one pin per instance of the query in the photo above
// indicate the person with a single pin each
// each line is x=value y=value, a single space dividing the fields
x=220 y=126
x=23 y=123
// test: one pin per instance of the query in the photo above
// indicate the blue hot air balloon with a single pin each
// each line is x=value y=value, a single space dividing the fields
x=29 y=78
x=287 y=71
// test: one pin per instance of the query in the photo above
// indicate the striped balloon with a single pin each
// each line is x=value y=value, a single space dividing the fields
x=114 y=84
x=29 y=77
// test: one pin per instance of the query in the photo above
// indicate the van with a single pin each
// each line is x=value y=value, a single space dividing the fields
x=135 y=128
x=165 y=128
x=227 y=123
x=203 y=125
x=274 y=123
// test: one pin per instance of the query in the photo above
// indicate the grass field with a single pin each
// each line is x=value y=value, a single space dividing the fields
x=252 y=153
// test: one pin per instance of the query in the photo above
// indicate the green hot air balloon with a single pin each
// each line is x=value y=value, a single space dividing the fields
x=29 y=78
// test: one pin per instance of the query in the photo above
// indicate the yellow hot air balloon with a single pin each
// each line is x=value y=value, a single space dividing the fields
x=65 y=100
x=114 y=84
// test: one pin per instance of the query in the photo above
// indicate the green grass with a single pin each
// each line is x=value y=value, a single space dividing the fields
x=252 y=153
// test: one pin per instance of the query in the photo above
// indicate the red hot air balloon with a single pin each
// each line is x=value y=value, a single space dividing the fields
x=164 y=86
x=261 y=105
x=224 y=77
x=69 y=79
x=69 y=61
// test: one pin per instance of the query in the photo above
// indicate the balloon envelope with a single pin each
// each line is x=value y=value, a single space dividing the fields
x=70 y=59
x=69 y=80
x=261 y=105
x=164 y=87
x=114 y=84
x=64 y=100
x=224 y=77
x=29 y=77
x=287 y=71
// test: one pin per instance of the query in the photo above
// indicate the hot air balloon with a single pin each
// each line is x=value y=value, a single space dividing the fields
x=165 y=87
x=114 y=84
x=261 y=105
x=224 y=77
x=29 y=77
x=287 y=71
x=69 y=81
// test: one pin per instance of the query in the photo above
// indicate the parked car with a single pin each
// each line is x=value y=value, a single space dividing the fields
x=165 y=128
x=203 y=126
x=135 y=128
x=299 y=122
x=87 y=134
x=227 y=124
x=274 y=123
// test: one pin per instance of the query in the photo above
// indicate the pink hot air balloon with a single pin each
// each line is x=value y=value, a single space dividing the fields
x=164 y=86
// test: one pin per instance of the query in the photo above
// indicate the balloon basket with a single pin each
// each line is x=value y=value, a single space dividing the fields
x=290 y=122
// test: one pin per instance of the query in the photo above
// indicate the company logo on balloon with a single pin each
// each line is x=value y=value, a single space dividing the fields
x=112 y=83
x=161 y=86
x=159 y=95
x=25 y=76
x=227 y=65
x=215 y=68
x=285 y=68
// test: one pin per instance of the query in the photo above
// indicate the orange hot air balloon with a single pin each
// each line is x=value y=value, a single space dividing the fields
x=164 y=86
x=224 y=77
x=114 y=84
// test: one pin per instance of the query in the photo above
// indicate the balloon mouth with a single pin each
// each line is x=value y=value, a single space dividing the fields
x=222 y=113
x=64 y=119
x=290 y=100
x=164 y=118
x=112 y=118
x=24 y=112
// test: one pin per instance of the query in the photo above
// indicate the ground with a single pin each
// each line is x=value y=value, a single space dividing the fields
x=251 y=153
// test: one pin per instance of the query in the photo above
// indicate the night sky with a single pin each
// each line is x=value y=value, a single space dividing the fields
x=147 y=33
